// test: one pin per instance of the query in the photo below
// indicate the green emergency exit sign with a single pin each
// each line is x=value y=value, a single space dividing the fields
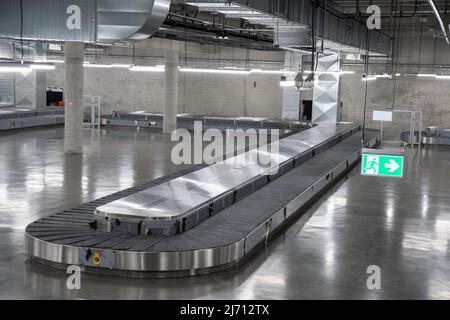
x=386 y=165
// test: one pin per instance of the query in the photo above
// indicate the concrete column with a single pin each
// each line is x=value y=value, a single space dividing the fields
x=41 y=77
x=171 y=92
x=73 y=97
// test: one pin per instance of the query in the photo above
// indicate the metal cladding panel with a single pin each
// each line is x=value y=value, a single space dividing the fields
x=326 y=90
x=47 y=20
x=6 y=88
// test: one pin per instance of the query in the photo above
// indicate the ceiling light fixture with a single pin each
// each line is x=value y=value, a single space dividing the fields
x=147 y=69
x=426 y=75
x=121 y=66
x=383 y=76
x=287 y=84
x=42 y=67
x=14 y=67
x=369 y=78
x=215 y=71
x=47 y=61
x=329 y=72
x=96 y=65
x=282 y=72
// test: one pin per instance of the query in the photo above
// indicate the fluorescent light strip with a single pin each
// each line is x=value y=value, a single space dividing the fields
x=96 y=65
x=147 y=69
x=42 y=67
x=216 y=71
x=281 y=72
x=383 y=76
x=436 y=76
x=438 y=16
x=287 y=84
x=48 y=61
x=121 y=66
x=329 y=72
x=14 y=68
x=426 y=75
x=369 y=78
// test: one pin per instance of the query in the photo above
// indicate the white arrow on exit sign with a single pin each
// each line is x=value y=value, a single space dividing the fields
x=392 y=166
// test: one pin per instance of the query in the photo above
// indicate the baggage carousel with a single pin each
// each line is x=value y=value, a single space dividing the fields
x=14 y=118
x=201 y=219
x=156 y=120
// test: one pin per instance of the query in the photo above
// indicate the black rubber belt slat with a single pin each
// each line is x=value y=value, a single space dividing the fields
x=54 y=233
x=77 y=211
x=97 y=239
x=52 y=223
x=128 y=243
x=65 y=236
x=80 y=208
x=74 y=241
x=54 y=219
x=146 y=244
x=75 y=216
x=44 y=229
x=44 y=223
x=108 y=244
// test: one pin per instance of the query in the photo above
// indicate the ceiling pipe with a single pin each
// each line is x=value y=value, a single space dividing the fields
x=438 y=16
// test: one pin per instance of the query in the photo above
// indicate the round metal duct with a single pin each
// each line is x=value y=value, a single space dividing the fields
x=81 y=20
x=131 y=19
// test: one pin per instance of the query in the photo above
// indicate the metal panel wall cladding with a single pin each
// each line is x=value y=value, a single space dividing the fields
x=82 y=20
x=6 y=88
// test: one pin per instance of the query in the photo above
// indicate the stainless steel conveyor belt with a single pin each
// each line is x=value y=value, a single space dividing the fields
x=180 y=204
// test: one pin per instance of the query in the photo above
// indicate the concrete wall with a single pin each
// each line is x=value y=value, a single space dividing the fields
x=199 y=94
x=429 y=55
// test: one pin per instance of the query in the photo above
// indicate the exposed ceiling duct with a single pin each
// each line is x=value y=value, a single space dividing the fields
x=81 y=20
x=341 y=32
x=288 y=22
x=134 y=20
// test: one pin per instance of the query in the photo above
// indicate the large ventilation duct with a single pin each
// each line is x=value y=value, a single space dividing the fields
x=82 y=20
x=135 y=20
x=339 y=32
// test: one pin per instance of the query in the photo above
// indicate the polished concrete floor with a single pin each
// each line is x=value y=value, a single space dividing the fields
x=400 y=225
